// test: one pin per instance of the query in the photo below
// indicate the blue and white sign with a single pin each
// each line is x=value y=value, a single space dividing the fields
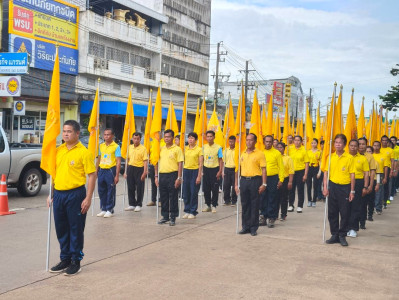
x=13 y=63
x=43 y=54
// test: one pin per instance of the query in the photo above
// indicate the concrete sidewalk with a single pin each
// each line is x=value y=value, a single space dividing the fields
x=130 y=257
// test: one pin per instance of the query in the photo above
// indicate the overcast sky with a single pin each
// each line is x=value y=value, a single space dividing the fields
x=353 y=42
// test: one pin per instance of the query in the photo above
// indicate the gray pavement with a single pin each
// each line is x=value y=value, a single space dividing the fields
x=129 y=256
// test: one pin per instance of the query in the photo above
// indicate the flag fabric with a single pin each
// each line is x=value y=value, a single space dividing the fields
x=256 y=122
x=228 y=128
x=277 y=132
x=240 y=130
x=286 y=129
x=264 y=120
x=214 y=125
x=269 y=120
x=53 y=124
x=308 y=128
x=317 y=131
x=329 y=137
x=147 y=143
x=130 y=126
x=350 y=127
x=183 y=123
x=202 y=125
x=292 y=130
x=301 y=128
x=392 y=131
x=338 y=128
x=94 y=127
x=171 y=121
x=197 y=115
x=155 y=132
x=361 y=126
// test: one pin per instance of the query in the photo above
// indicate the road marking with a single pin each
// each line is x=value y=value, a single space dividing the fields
x=16 y=209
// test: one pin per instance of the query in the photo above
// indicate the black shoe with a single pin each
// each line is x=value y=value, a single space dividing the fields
x=333 y=240
x=254 y=233
x=226 y=203
x=243 y=231
x=172 y=222
x=271 y=223
x=370 y=219
x=163 y=221
x=262 y=221
x=61 y=266
x=362 y=226
x=342 y=241
x=73 y=269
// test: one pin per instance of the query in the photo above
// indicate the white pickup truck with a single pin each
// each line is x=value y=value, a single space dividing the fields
x=21 y=164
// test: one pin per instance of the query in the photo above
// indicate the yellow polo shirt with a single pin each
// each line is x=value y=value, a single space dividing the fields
x=212 y=155
x=382 y=162
x=290 y=147
x=396 y=152
x=361 y=165
x=251 y=163
x=229 y=158
x=372 y=163
x=274 y=163
x=341 y=168
x=191 y=157
x=137 y=156
x=169 y=159
x=288 y=166
x=299 y=157
x=72 y=166
x=314 y=158
x=388 y=152
x=108 y=155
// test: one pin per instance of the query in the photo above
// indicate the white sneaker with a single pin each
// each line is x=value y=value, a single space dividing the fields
x=213 y=209
x=191 y=216
x=138 y=208
x=185 y=216
x=291 y=208
x=130 y=208
x=351 y=233
x=391 y=198
x=299 y=209
x=108 y=214
x=101 y=214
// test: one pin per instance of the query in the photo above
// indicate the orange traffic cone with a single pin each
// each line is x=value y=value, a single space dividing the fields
x=4 y=198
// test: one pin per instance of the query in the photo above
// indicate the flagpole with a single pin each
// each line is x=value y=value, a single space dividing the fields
x=239 y=171
x=183 y=136
x=96 y=154
x=329 y=162
x=148 y=162
x=158 y=195
x=202 y=138
x=49 y=223
x=226 y=138
x=127 y=153
x=371 y=124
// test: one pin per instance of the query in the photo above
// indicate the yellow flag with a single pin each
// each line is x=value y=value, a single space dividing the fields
x=171 y=121
x=147 y=143
x=264 y=120
x=94 y=127
x=214 y=125
x=255 y=122
x=130 y=126
x=317 y=131
x=202 y=125
x=228 y=128
x=361 y=126
x=368 y=130
x=197 y=116
x=277 y=132
x=155 y=132
x=53 y=125
x=240 y=130
x=350 y=127
x=292 y=127
x=309 y=128
x=301 y=128
x=327 y=137
x=286 y=129
x=269 y=121
x=183 y=123
x=392 y=130
x=338 y=115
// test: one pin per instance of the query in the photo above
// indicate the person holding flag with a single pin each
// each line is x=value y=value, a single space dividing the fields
x=314 y=155
x=382 y=175
x=283 y=191
x=229 y=193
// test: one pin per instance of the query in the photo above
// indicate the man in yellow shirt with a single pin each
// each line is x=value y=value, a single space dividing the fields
x=275 y=178
x=213 y=167
x=341 y=190
x=170 y=167
x=137 y=168
x=71 y=202
x=395 y=178
x=382 y=175
x=388 y=152
x=251 y=184
x=229 y=193
x=108 y=167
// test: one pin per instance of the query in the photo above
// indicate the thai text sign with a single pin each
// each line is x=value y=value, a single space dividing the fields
x=278 y=93
x=13 y=63
x=10 y=86
x=45 y=20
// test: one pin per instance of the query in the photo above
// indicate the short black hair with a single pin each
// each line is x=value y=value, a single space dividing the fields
x=342 y=137
x=169 y=131
x=363 y=139
x=316 y=140
x=394 y=137
x=268 y=136
x=137 y=134
x=322 y=142
x=371 y=148
x=384 y=137
x=276 y=140
x=377 y=142
x=211 y=132
x=177 y=136
x=75 y=125
x=255 y=137
x=194 y=135
x=354 y=140
x=298 y=136
x=282 y=144
x=232 y=137
x=109 y=129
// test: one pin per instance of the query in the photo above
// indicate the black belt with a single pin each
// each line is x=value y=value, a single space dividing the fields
x=250 y=178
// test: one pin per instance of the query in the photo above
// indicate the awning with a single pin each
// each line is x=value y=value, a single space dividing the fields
x=119 y=108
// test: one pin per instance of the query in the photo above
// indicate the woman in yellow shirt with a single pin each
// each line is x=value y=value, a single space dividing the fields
x=287 y=183
x=314 y=155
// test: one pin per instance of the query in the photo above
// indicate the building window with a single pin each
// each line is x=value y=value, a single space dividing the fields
x=139 y=90
x=91 y=81
x=117 y=86
x=97 y=50
x=177 y=72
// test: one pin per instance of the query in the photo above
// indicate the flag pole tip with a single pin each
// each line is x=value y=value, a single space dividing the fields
x=335 y=83
x=363 y=98
x=99 y=79
x=341 y=87
x=150 y=90
x=353 y=89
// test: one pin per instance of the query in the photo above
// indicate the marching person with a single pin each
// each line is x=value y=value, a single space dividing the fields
x=395 y=156
x=252 y=184
x=275 y=179
x=290 y=143
x=388 y=152
x=382 y=175
x=151 y=175
x=341 y=190
x=229 y=193
x=320 y=176
x=368 y=200
x=362 y=171
x=108 y=167
x=301 y=167
x=170 y=170
x=314 y=155
x=192 y=174
x=287 y=183
x=137 y=168
x=213 y=167
x=71 y=202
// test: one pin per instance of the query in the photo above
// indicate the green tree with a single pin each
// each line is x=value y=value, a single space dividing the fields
x=391 y=98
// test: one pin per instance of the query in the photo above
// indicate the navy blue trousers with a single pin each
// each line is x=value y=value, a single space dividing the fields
x=269 y=199
x=70 y=222
x=190 y=191
x=107 y=189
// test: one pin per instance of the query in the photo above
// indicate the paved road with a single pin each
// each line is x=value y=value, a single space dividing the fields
x=129 y=256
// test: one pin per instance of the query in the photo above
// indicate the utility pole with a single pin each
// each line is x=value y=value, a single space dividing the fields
x=246 y=71
x=216 y=76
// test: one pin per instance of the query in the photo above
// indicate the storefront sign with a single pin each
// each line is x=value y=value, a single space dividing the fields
x=45 y=20
x=278 y=93
x=10 y=86
x=19 y=108
x=27 y=123
x=13 y=63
